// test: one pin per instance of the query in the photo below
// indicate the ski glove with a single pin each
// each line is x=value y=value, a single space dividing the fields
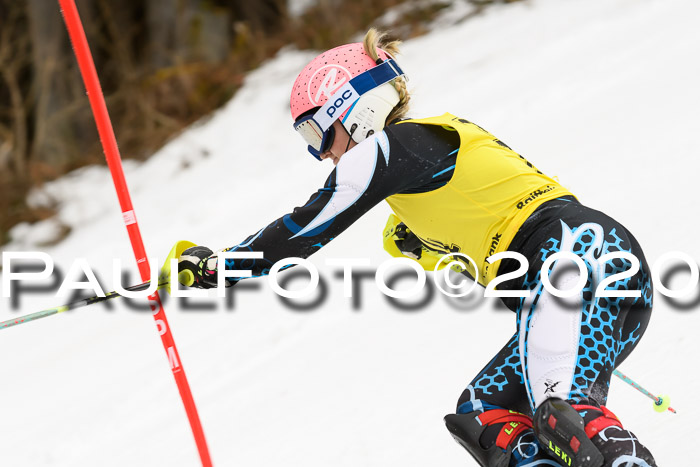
x=399 y=242
x=201 y=264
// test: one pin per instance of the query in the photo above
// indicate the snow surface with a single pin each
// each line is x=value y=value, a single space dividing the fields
x=602 y=93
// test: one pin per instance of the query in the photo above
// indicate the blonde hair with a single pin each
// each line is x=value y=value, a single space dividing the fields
x=375 y=39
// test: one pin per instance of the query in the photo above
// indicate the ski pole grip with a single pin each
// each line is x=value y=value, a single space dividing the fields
x=186 y=277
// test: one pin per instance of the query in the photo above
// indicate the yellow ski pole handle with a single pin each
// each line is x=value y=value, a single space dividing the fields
x=186 y=277
x=175 y=252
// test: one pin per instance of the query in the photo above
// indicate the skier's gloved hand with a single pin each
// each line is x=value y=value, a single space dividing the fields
x=197 y=267
x=407 y=242
x=400 y=242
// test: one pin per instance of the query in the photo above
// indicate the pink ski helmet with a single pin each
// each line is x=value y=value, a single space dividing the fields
x=328 y=73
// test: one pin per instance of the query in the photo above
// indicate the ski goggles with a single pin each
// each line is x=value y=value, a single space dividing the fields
x=317 y=128
x=319 y=141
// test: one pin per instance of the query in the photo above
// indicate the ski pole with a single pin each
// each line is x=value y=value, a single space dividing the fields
x=80 y=303
x=661 y=403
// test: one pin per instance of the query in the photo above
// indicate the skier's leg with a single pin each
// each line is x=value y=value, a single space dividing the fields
x=571 y=346
x=603 y=427
x=493 y=420
x=631 y=322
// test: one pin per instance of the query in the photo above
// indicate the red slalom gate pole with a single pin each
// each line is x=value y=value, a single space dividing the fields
x=109 y=144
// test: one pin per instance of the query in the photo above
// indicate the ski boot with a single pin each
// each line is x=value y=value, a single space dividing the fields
x=618 y=446
x=561 y=431
x=587 y=436
x=498 y=438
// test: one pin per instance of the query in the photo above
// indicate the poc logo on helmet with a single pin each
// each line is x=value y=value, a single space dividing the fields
x=338 y=103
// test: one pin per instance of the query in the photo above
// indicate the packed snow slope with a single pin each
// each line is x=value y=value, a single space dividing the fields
x=601 y=93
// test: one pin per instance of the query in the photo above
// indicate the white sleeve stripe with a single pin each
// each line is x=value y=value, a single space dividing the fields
x=383 y=142
x=354 y=173
x=243 y=245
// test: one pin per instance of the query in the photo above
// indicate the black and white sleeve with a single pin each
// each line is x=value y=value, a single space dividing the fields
x=373 y=170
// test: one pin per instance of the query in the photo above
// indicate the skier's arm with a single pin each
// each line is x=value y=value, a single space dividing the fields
x=364 y=176
x=373 y=170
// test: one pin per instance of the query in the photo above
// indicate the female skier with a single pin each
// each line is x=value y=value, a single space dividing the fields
x=455 y=188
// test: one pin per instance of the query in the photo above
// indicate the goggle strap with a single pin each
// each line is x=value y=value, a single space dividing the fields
x=348 y=93
x=376 y=76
